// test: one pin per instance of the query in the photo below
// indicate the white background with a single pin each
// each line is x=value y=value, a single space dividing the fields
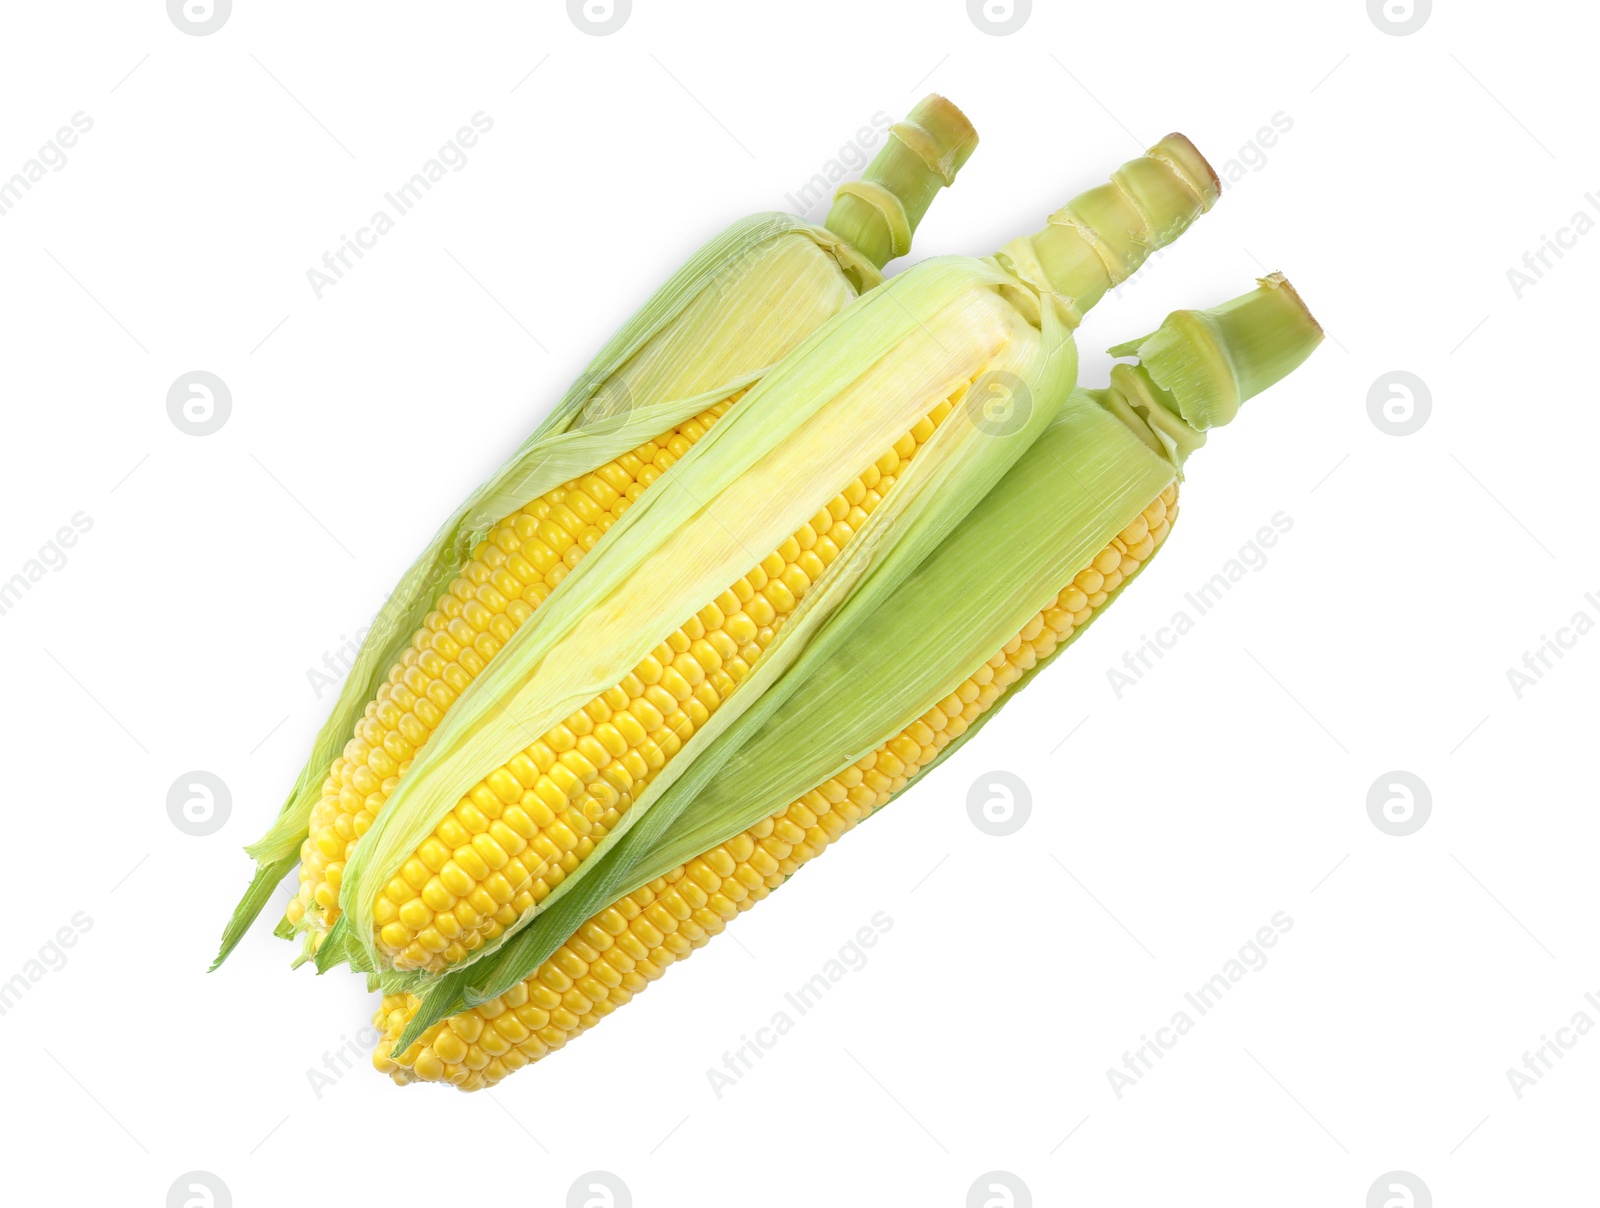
x=1230 y=784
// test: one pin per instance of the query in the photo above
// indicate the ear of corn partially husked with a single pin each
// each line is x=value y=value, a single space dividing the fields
x=928 y=313
x=742 y=302
x=878 y=702
x=717 y=579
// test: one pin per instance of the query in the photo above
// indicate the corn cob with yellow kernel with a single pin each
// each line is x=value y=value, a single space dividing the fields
x=865 y=445
x=1076 y=517
x=517 y=833
x=620 y=950
x=743 y=301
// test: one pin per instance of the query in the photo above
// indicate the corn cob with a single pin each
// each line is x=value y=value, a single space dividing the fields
x=459 y=859
x=741 y=303
x=619 y=951
x=510 y=840
x=511 y=573
x=1124 y=447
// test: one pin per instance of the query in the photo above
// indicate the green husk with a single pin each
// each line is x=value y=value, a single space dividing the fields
x=678 y=812
x=1207 y=362
x=1083 y=481
x=740 y=303
x=894 y=653
x=1086 y=477
x=1274 y=340
x=878 y=212
x=795 y=441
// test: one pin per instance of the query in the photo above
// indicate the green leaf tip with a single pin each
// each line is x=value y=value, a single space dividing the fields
x=255 y=897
